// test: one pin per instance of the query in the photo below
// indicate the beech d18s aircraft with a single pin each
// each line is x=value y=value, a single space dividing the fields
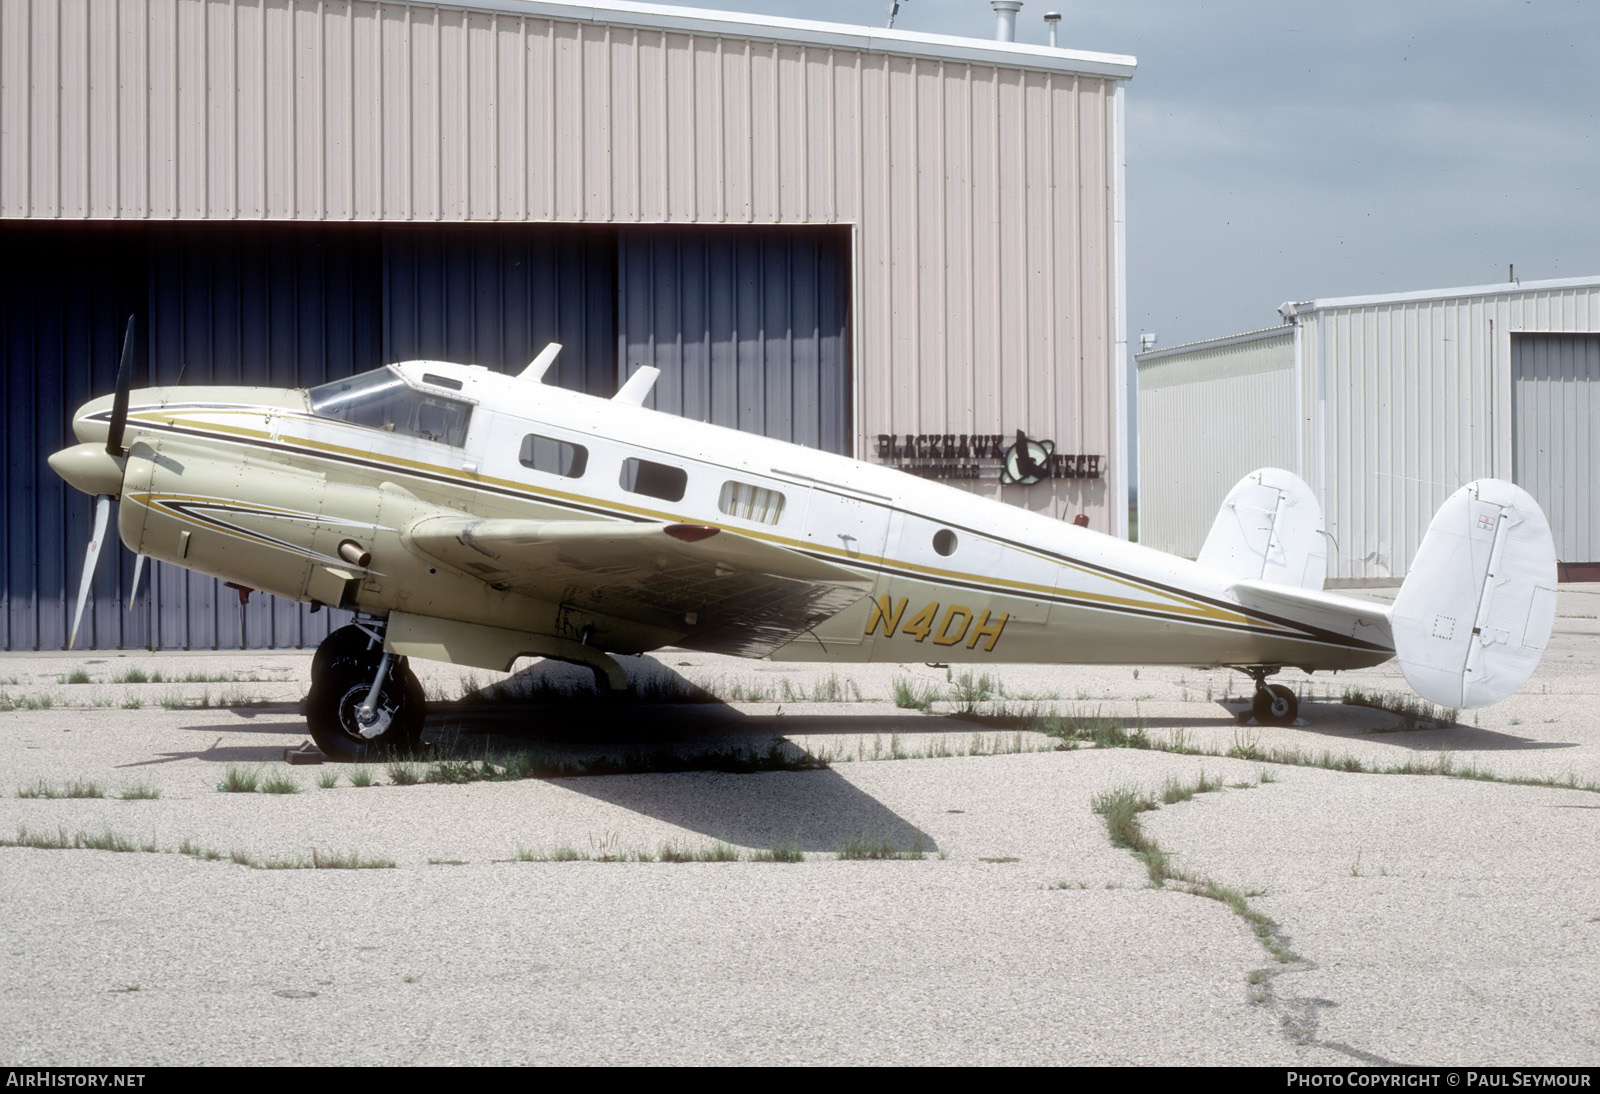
x=475 y=517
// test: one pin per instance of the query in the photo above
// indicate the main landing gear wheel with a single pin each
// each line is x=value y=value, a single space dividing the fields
x=348 y=641
x=1275 y=705
x=351 y=734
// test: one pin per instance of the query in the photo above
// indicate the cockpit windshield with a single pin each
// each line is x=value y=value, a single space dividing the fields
x=382 y=400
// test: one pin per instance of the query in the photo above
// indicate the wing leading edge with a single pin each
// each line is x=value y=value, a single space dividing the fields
x=722 y=591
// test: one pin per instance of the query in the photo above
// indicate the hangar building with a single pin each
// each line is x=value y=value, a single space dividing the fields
x=902 y=246
x=1384 y=405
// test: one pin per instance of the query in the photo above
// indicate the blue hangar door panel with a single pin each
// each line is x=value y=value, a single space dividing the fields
x=245 y=304
x=749 y=327
x=496 y=295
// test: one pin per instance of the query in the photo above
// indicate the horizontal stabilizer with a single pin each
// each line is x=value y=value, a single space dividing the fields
x=1348 y=616
x=1479 y=602
x=1269 y=528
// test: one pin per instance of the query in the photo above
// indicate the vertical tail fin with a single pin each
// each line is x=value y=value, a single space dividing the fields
x=1269 y=528
x=1478 y=604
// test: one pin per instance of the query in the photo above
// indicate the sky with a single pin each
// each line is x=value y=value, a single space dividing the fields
x=1279 y=151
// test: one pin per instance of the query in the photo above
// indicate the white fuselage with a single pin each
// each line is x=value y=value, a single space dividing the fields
x=955 y=577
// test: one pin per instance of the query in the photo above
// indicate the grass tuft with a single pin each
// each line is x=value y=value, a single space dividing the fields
x=77 y=788
x=280 y=782
x=239 y=780
x=864 y=847
x=348 y=860
x=780 y=852
x=140 y=791
x=910 y=695
x=1415 y=712
x=404 y=774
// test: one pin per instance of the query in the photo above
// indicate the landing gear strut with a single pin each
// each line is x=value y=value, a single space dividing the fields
x=365 y=704
x=1274 y=704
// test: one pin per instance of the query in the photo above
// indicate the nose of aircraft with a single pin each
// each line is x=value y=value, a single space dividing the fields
x=90 y=468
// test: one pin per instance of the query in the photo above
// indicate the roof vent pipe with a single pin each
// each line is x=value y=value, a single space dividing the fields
x=1005 y=19
x=1052 y=19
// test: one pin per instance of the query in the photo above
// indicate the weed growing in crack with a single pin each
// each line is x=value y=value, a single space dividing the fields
x=1120 y=809
x=864 y=847
x=910 y=695
x=76 y=788
x=1415 y=712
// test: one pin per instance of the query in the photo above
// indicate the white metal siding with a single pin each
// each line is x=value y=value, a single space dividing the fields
x=1414 y=399
x=1208 y=416
x=982 y=178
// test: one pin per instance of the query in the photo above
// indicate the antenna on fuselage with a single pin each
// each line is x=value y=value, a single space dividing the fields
x=637 y=389
x=540 y=365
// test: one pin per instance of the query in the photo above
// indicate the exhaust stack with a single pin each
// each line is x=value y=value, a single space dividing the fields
x=1005 y=19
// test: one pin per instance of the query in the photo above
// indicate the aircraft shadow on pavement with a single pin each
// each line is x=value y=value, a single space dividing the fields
x=1329 y=718
x=812 y=810
x=699 y=764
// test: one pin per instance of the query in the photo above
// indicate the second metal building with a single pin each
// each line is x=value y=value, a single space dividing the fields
x=1385 y=405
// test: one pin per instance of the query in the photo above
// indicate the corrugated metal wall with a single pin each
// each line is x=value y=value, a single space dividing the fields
x=1411 y=398
x=982 y=179
x=293 y=306
x=1401 y=399
x=1555 y=398
x=495 y=296
x=749 y=328
x=63 y=300
x=1209 y=414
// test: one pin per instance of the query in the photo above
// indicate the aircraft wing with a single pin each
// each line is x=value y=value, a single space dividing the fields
x=723 y=591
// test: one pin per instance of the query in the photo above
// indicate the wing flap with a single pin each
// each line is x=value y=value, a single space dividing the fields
x=720 y=590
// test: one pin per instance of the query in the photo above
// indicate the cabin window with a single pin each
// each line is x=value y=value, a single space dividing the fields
x=382 y=400
x=554 y=457
x=740 y=499
x=656 y=480
x=944 y=541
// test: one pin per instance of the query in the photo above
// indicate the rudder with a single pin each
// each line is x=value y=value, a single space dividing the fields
x=1479 y=602
x=1269 y=528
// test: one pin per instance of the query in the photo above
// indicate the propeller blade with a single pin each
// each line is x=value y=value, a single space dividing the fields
x=138 y=569
x=102 y=512
x=119 y=405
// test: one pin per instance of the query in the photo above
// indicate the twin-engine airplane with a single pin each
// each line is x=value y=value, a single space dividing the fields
x=474 y=517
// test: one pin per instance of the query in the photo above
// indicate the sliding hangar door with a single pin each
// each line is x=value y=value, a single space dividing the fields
x=749 y=324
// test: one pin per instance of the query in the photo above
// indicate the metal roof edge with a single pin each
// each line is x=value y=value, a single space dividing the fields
x=1151 y=356
x=1448 y=294
x=810 y=32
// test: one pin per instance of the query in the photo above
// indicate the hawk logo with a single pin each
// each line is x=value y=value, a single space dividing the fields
x=1027 y=461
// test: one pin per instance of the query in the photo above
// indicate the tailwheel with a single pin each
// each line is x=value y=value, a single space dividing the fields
x=1275 y=705
x=352 y=724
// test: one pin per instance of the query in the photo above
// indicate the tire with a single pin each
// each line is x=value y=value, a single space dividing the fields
x=348 y=641
x=1275 y=705
x=342 y=687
